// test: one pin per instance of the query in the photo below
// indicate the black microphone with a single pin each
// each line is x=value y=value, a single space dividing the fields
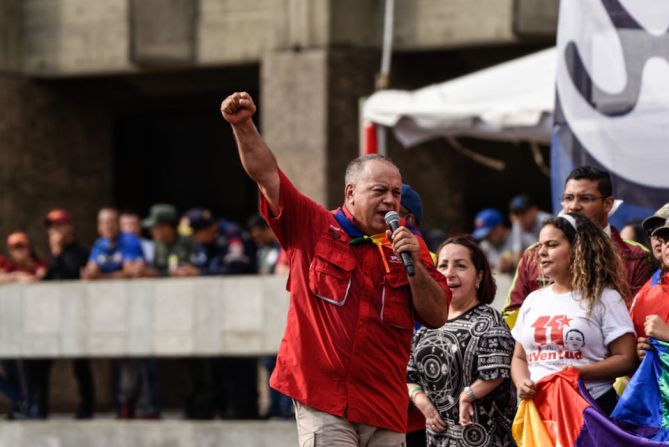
x=393 y=220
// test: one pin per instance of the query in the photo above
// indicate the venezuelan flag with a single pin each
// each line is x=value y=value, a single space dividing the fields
x=563 y=414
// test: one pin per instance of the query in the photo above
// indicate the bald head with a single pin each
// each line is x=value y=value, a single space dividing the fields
x=108 y=225
x=373 y=187
x=356 y=167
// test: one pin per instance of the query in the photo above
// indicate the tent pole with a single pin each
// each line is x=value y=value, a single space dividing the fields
x=383 y=79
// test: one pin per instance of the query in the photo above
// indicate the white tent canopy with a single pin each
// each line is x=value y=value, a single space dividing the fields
x=511 y=101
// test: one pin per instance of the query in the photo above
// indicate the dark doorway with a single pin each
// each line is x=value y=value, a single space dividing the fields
x=172 y=146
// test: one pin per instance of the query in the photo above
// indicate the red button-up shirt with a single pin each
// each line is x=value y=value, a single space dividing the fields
x=349 y=328
x=652 y=299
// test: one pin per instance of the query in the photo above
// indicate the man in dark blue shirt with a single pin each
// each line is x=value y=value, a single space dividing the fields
x=216 y=253
x=226 y=385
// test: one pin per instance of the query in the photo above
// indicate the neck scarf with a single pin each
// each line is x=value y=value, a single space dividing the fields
x=359 y=238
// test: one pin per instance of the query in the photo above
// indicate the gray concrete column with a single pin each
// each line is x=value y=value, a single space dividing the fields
x=11 y=32
x=310 y=120
x=310 y=114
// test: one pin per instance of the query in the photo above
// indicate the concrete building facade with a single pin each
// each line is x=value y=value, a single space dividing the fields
x=116 y=102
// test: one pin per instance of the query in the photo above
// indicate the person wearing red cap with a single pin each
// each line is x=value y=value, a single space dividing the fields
x=23 y=264
x=68 y=258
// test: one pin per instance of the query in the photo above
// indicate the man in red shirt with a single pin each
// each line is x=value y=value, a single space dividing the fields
x=587 y=191
x=344 y=354
x=650 y=309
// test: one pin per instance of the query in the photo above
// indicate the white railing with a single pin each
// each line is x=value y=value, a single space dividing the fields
x=236 y=315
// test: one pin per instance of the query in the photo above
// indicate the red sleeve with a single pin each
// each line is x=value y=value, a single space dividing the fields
x=641 y=273
x=522 y=282
x=426 y=259
x=299 y=217
x=637 y=310
x=283 y=258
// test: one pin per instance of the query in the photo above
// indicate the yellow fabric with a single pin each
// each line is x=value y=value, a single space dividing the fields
x=528 y=428
x=380 y=240
x=620 y=384
x=510 y=317
x=637 y=244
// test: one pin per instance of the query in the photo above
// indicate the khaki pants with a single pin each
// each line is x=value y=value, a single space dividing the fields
x=316 y=428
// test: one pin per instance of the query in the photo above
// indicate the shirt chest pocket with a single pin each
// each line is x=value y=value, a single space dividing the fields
x=395 y=300
x=331 y=271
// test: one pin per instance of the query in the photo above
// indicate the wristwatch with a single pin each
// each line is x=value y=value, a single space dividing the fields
x=470 y=394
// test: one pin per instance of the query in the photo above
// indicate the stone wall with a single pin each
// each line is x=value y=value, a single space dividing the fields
x=11 y=31
x=106 y=433
x=310 y=114
x=85 y=37
x=75 y=37
x=171 y=319
x=55 y=151
x=294 y=116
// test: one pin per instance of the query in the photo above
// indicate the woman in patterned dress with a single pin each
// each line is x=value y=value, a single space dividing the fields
x=459 y=374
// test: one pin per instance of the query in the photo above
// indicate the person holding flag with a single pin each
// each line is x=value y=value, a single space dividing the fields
x=650 y=309
x=579 y=320
x=344 y=353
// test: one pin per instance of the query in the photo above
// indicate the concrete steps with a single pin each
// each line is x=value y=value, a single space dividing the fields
x=107 y=432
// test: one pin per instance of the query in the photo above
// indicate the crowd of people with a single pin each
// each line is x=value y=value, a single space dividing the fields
x=194 y=244
x=367 y=337
x=582 y=297
x=366 y=334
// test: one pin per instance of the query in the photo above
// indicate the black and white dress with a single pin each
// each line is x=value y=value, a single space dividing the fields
x=475 y=345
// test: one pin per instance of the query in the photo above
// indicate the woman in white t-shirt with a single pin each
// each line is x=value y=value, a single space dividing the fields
x=579 y=320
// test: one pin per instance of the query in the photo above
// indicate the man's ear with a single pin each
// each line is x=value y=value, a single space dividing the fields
x=608 y=204
x=349 y=191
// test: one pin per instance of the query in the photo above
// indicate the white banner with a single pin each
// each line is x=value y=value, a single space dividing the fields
x=612 y=107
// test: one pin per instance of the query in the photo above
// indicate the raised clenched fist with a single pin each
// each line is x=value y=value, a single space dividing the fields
x=238 y=108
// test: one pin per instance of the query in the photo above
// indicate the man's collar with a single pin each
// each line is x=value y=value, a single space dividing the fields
x=352 y=220
x=607 y=230
x=349 y=216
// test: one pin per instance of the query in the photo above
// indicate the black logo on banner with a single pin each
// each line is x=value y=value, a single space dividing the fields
x=638 y=45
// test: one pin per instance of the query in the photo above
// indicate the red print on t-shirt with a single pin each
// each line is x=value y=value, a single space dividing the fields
x=556 y=324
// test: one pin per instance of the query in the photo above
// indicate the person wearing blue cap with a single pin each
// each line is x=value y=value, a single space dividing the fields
x=526 y=221
x=411 y=206
x=494 y=238
x=411 y=209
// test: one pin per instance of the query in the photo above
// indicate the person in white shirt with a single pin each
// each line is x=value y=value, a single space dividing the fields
x=579 y=320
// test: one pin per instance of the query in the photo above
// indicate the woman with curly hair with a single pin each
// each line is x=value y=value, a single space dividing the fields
x=459 y=375
x=580 y=319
